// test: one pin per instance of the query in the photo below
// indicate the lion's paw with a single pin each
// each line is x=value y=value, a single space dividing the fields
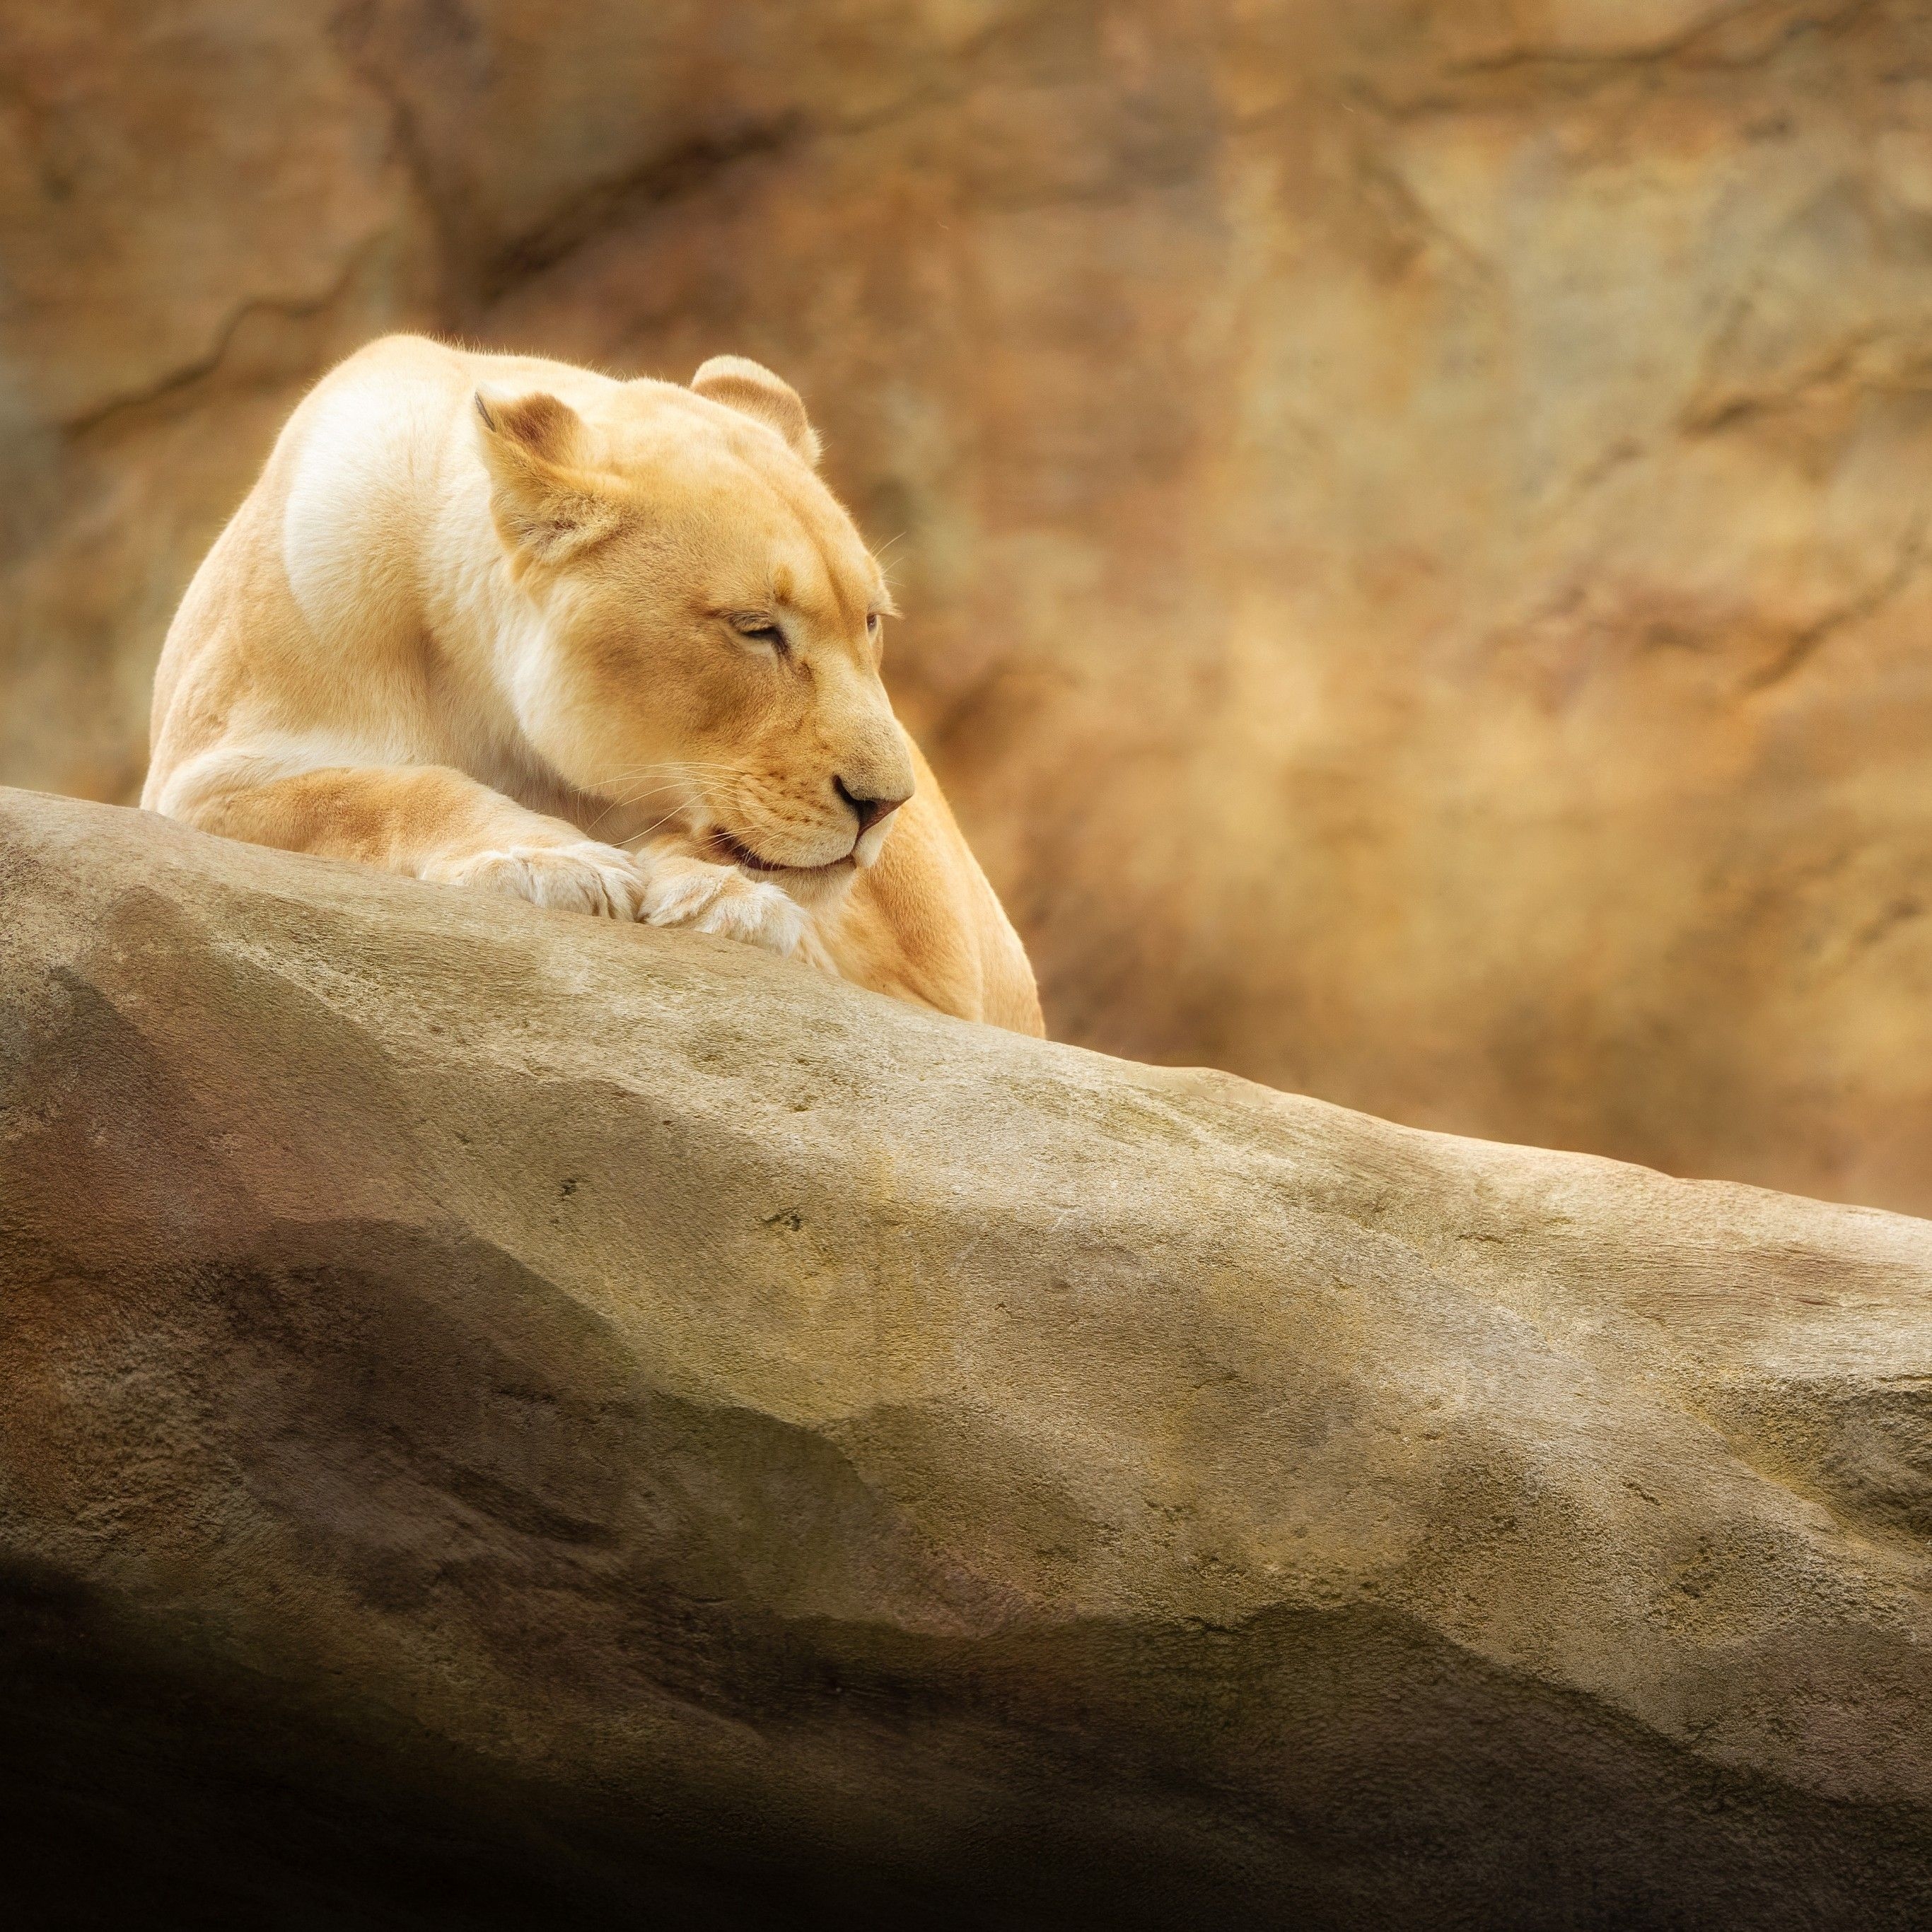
x=582 y=876
x=705 y=898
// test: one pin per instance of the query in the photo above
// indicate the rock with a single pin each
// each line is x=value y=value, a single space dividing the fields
x=507 y=1419
x=1413 y=519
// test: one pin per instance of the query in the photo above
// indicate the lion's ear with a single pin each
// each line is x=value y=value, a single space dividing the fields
x=546 y=503
x=753 y=391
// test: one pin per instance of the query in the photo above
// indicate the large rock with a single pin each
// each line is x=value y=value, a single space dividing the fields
x=1413 y=518
x=509 y=1419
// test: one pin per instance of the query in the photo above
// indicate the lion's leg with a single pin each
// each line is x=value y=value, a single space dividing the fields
x=432 y=822
x=428 y=821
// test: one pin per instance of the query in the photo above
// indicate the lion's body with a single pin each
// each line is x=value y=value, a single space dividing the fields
x=608 y=650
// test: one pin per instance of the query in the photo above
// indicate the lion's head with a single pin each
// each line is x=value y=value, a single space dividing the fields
x=703 y=640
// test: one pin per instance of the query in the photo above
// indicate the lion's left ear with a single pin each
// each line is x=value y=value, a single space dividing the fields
x=544 y=496
x=753 y=391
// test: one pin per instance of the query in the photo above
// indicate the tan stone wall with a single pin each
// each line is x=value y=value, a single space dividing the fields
x=1412 y=517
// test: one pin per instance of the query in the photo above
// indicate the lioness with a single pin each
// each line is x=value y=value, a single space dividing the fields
x=603 y=645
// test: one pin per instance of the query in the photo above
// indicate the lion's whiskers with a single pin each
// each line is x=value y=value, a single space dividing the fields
x=684 y=780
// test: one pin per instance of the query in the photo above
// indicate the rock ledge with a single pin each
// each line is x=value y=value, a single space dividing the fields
x=510 y=1419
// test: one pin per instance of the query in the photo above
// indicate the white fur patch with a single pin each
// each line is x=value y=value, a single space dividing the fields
x=872 y=841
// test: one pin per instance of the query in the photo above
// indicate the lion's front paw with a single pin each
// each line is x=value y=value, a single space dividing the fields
x=580 y=876
x=706 y=897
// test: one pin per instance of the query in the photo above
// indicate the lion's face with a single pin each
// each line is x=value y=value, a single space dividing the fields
x=706 y=658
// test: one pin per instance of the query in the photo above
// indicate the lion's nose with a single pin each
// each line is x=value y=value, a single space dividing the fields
x=868 y=810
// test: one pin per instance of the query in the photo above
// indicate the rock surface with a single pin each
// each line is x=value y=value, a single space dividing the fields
x=509 y=1419
x=1413 y=518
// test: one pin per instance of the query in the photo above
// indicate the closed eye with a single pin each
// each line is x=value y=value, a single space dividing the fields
x=760 y=630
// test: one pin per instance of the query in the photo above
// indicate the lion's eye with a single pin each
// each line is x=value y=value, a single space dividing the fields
x=872 y=624
x=761 y=631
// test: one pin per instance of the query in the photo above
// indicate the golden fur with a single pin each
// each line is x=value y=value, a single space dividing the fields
x=607 y=646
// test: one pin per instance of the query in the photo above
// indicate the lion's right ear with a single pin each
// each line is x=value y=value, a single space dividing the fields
x=753 y=391
x=546 y=501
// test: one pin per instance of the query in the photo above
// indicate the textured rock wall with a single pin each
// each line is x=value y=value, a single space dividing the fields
x=1413 y=516
x=509 y=1420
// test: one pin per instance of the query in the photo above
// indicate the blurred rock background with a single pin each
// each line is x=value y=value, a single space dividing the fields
x=1413 y=518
